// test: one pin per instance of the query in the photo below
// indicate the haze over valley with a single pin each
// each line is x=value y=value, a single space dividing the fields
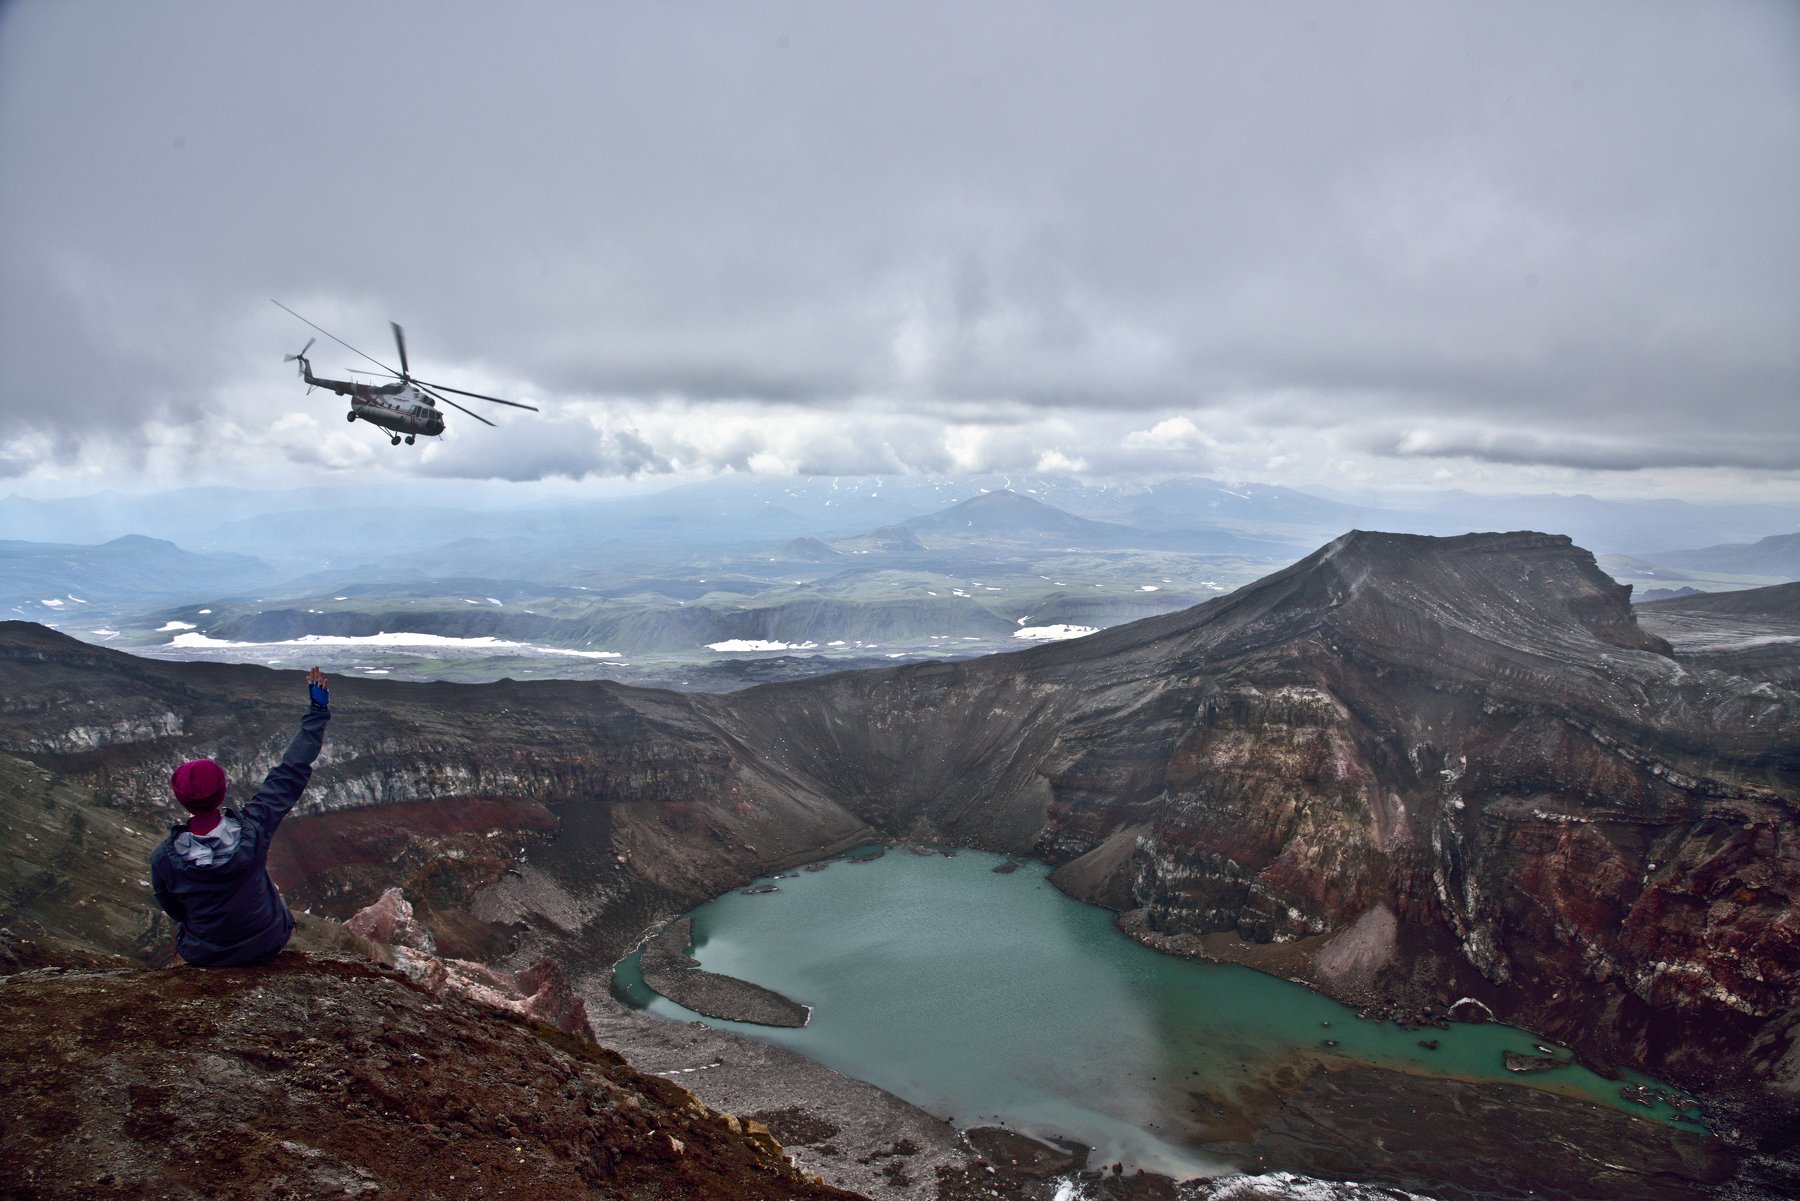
x=723 y=584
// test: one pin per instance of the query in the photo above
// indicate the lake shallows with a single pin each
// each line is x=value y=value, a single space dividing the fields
x=993 y=998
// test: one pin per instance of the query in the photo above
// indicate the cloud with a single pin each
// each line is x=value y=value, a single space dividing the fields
x=1171 y=433
x=572 y=446
x=1160 y=238
x=1779 y=451
x=1055 y=462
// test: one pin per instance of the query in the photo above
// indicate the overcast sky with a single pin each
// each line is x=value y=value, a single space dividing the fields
x=1510 y=246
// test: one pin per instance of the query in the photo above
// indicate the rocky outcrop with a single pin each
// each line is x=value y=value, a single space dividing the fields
x=540 y=992
x=390 y=920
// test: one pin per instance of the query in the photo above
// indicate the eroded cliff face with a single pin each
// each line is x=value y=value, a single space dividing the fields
x=1457 y=761
x=1410 y=770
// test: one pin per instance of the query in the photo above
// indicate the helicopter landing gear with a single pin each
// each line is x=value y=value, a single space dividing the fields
x=350 y=416
x=409 y=439
x=395 y=440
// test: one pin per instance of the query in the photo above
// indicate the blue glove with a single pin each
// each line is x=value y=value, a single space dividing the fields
x=315 y=687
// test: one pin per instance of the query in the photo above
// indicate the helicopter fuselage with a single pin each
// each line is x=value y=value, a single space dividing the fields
x=399 y=407
x=406 y=406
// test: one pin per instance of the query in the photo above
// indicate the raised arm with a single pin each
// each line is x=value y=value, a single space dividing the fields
x=282 y=787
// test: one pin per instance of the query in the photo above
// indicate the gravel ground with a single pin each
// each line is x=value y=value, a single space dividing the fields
x=854 y=1128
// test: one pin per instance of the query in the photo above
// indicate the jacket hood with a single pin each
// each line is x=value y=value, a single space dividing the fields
x=215 y=847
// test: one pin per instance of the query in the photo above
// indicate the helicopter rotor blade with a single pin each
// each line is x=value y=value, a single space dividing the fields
x=454 y=405
x=335 y=338
x=403 y=373
x=479 y=396
x=363 y=371
x=290 y=358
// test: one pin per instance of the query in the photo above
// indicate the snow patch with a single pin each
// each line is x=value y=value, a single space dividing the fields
x=1471 y=1001
x=1054 y=633
x=759 y=644
x=399 y=638
x=176 y=625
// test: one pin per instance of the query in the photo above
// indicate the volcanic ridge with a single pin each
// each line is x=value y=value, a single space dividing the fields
x=1426 y=775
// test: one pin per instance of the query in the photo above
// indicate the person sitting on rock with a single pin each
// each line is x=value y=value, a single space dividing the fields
x=211 y=873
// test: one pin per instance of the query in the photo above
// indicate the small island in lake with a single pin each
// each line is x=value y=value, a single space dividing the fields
x=671 y=971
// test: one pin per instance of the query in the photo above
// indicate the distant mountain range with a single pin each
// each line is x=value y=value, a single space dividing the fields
x=1779 y=602
x=40 y=578
x=306 y=529
x=1014 y=515
x=1018 y=518
x=915 y=565
x=1777 y=555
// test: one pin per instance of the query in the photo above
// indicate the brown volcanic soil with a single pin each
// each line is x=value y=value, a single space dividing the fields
x=315 y=1077
x=1508 y=1142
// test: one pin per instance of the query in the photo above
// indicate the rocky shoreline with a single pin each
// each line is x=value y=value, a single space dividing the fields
x=1316 y=1124
x=667 y=968
x=829 y=1123
x=1312 y=1122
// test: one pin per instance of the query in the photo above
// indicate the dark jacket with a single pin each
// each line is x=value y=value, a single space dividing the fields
x=216 y=885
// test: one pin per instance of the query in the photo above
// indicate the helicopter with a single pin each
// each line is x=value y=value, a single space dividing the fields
x=405 y=408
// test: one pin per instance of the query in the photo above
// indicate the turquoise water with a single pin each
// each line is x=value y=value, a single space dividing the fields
x=989 y=998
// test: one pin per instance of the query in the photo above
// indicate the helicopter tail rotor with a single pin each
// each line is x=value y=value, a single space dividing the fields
x=305 y=367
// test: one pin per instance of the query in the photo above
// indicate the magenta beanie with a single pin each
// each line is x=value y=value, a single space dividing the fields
x=199 y=785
